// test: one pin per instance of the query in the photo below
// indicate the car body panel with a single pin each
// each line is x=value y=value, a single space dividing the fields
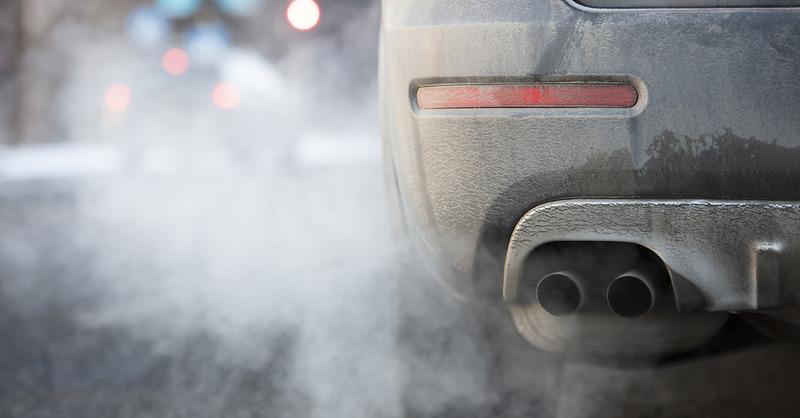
x=717 y=116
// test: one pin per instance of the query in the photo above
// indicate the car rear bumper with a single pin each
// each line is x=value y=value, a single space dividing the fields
x=720 y=255
x=716 y=116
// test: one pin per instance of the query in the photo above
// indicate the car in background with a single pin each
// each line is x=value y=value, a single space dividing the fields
x=624 y=175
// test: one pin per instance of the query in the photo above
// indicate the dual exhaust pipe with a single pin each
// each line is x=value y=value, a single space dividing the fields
x=630 y=295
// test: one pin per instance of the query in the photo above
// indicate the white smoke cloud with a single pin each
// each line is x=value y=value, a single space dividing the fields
x=218 y=246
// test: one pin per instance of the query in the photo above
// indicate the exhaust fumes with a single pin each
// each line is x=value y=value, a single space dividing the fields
x=168 y=257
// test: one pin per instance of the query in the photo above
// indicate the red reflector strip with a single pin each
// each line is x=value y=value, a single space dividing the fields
x=541 y=95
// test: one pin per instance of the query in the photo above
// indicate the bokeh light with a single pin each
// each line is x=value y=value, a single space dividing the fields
x=303 y=14
x=206 y=43
x=226 y=95
x=118 y=97
x=238 y=7
x=147 y=27
x=178 y=8
x=175 y=61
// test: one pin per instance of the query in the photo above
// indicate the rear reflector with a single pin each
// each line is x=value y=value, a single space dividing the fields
x=537 y=95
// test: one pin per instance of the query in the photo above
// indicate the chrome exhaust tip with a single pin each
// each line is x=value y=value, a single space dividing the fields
x=634 y=293
x=559 y=293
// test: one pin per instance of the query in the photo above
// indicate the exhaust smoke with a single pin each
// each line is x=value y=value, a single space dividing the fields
x=170 y=258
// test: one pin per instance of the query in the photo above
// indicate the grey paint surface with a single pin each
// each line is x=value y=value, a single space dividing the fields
x=716 y=117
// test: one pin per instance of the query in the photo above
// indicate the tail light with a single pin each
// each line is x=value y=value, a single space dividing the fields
x=529 y=95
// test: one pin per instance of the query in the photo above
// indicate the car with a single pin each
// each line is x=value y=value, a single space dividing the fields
x=623 y=175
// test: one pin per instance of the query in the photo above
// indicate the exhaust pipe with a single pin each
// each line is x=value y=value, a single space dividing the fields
x=634 y=293
x=559 y=293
